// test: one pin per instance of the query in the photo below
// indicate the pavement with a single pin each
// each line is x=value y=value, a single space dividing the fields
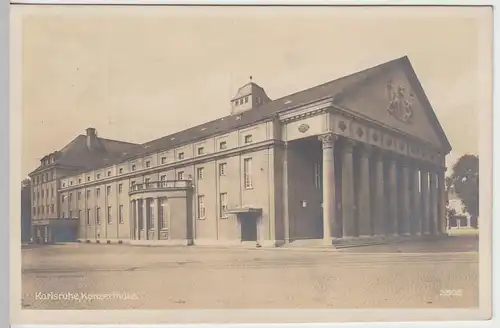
x=436 y=274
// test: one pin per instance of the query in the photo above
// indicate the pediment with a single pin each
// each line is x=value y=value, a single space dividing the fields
x=394 y=98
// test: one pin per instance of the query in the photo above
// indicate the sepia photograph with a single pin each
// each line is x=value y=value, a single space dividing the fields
x=252 y=158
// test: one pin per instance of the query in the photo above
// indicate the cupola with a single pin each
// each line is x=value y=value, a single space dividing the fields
x=249 y=96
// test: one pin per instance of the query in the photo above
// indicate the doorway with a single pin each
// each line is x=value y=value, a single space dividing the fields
x=248 y=224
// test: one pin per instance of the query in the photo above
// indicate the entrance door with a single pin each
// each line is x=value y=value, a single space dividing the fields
x=248 y=227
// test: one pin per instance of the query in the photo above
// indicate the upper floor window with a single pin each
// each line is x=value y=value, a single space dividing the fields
x=148 y=164
x=200 y=173
x=98 y=192
x=248 y=138
x=120 y=170
x=201 y=151
x=98 y=176
x=80 y=180
x=88 y=178
x=63 y=198
x=223 y=205
x=163 y=178
x=180 y=175
x=223 y=145
x=79 y=195
x=108 y=190
x=163 y=160
x=247 y=172
x=88 y=194
x=246 y=99
x=133 y=167
x=201 y=207
x=120 y=188
x=109 y=173
x=180 y=155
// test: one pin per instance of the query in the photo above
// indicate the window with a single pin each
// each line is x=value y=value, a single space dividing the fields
x=64 y=184
x=110 y=215
x=236 y=103
x=223 y=145
x=120 y=170
x=80 y=180
x=317 y=175
x=70 y=214
x=109 y=173
x=42 y=193
x=180 y=155
x=148 y=164
x=88 y=178
x=88 y=216
x=201 y=151
x=63 y=214
x=163 y=160
x=120 y=214
x=151 y=209
x=43 y=208
x=79 y=214
x=79 y=195
x=133 y=167
x=132 y=183
x=199 y=173
x=247 y=172
x=147 y=180
x=120 y=188
x=34 y=195
x=52 y=210
x=223 y=205
x=98 y=176
x=63 y=198
x=98 y=215
x=180 y=175
x=248 y=138
x=246 y=99
x=162 y=217
x=34 y=210
x=222 y=169
x=71 y=183
x=163 y=178
x=70 y=198
x=108 y=190
x=201 y=207
x=98 y=192
x=52 y=192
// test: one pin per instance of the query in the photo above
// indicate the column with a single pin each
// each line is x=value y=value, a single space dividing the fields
x=330 y=225
x=286 y=217
x=424 y=184
x=405 y=199
x=145 y=218
x=442 y=201
x=416 y=208
x=138 y=211
x=348 y=202
x=157 y=217
x=392 y=227
x=379 y=204
x=433 y=202
x=364 y=197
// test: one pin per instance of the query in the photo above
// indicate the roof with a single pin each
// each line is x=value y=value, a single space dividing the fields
x=334 y=89
x=76 y=153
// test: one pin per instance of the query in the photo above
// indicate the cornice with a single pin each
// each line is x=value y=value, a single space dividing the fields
x=169 y=166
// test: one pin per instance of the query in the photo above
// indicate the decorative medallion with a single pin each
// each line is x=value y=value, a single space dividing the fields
x=400 y=102
x=375 y=137
x=303 y=128
x=342 y=125
x=360 y=132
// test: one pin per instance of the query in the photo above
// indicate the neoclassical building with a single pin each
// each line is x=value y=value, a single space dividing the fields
x=357 y=158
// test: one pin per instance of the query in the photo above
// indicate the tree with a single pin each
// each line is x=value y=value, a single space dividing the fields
x=465 y=180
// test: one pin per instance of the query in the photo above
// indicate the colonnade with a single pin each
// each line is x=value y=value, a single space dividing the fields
x=382 y=193
x=147 y=216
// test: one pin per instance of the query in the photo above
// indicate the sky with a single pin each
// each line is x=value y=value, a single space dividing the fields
x=136 y=74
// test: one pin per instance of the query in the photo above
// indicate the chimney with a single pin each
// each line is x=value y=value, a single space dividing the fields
x=91 y=139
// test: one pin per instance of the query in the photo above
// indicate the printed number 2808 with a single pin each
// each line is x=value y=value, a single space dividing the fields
x=450 y=292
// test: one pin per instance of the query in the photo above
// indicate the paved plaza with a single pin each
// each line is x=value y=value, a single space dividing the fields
x=410 y=275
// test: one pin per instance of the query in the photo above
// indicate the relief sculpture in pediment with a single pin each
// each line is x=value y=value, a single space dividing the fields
x=400 y=102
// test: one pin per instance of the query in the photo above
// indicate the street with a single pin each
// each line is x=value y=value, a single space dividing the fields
x=409 y=275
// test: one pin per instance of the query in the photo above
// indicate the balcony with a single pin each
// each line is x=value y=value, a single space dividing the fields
x=160 y=186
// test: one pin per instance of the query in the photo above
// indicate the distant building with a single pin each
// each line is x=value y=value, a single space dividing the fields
x=25 y=211
x=462 y=218
x=360 y=156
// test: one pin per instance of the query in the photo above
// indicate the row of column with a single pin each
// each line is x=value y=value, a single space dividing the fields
x=142 y=210
x=413 y=205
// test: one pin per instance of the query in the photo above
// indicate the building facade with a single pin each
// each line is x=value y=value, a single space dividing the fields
x=359 y=157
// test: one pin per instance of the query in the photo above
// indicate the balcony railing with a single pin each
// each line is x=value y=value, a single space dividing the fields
x=168 y=184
